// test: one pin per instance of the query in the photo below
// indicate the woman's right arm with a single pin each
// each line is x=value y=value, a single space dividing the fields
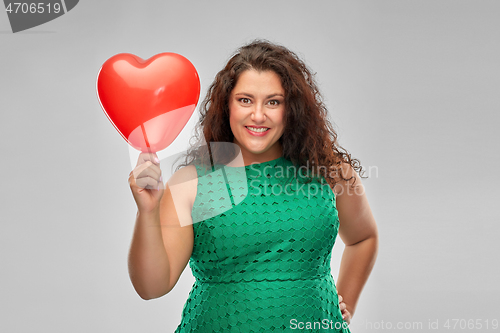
x=160 y=247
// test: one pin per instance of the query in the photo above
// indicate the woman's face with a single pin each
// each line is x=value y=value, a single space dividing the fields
x=256 y=112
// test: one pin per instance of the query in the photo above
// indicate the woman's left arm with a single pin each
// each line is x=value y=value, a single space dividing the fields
x=358 y=231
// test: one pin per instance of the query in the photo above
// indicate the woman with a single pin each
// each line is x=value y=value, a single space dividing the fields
x=259 y=248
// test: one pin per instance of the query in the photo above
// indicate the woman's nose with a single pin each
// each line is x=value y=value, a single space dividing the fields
x=258 y=114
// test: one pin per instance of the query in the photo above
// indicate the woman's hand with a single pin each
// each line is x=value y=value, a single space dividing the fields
x=346 y=315
x=146 y=182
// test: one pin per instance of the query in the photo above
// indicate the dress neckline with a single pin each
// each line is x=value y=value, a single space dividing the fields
x=276 y=161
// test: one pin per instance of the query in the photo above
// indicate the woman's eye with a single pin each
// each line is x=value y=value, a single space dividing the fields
x=274 y=102
x=244 y=100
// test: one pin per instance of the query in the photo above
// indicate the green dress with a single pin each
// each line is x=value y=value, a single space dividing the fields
x=261 y=255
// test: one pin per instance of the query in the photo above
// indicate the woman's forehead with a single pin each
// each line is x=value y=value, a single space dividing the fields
x=253 y=80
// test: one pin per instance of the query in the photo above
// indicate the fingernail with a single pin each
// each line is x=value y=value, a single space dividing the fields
x=157 y=160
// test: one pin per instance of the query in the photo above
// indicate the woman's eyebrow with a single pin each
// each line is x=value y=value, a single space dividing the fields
x=252 y=96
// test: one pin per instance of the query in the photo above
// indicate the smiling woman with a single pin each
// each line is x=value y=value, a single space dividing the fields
x=256 y=115
x=260 y=254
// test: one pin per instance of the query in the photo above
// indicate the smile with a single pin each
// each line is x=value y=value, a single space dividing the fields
x=257 y=131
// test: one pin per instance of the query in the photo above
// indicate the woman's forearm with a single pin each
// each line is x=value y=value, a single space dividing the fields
x=148 y=261
x=356 y=265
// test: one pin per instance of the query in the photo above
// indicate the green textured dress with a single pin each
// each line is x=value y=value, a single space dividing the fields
x=261 y=255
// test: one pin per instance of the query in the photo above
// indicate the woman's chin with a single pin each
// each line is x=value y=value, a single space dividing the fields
x=256 y=150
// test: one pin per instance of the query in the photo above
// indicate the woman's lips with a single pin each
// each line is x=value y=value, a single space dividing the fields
x=257 y=133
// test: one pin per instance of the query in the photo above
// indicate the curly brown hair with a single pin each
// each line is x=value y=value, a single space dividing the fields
x=309 y=139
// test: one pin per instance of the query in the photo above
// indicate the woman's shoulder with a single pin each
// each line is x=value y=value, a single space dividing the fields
x=346 y=179
x=184 y=174
x=182 y=187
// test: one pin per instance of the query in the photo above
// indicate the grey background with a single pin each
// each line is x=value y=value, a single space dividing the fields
x=412 y=86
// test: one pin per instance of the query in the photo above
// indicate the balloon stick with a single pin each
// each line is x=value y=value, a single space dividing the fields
x=145 y=138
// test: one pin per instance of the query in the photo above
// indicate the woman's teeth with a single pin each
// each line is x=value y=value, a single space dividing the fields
x=258 y=130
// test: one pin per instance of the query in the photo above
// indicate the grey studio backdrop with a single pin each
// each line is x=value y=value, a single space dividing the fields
x=413 y=90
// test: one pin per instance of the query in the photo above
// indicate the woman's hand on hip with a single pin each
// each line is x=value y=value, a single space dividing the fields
x=346 y=315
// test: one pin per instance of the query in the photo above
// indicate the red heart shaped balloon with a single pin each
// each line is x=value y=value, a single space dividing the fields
x=148 y=101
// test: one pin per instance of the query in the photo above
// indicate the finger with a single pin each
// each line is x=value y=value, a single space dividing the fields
x=144 y=157
x=347 y=316
x=146 y=176
x=342 y=306
x=147 y=183
x=147 y=170
x=160 y=186
x=340 y=298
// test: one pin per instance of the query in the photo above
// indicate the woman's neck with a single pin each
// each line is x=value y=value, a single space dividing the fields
x=273 y=153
